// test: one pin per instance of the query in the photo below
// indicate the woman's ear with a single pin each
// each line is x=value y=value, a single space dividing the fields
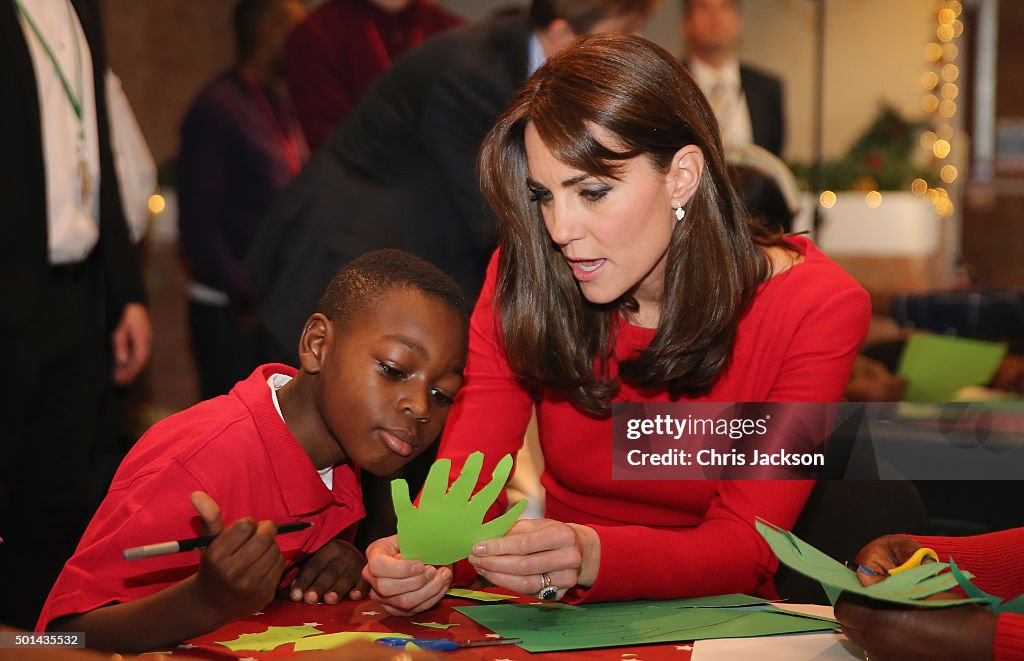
x=314 y=342
x=685 y=173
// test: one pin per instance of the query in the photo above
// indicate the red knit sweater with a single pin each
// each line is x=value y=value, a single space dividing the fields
x=997 y=561
x=669 y=539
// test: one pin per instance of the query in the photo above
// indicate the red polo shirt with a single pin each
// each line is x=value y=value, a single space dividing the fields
x=237 y=449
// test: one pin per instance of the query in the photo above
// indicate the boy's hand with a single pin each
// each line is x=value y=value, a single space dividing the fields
x=330 y=574
x=403 y=587
x=239 y=571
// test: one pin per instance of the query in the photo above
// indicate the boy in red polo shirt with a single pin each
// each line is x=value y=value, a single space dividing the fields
x=381 y=361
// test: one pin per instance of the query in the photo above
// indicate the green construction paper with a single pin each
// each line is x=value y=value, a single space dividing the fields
x=770 y=607
x=617 y=624
x=270 y=639
x=478 y=595
x=720 y=601
x=448 y=522
x=994 y=603
x=909 y=587
x=329 y=641
x=435 y=625
x=936 y=366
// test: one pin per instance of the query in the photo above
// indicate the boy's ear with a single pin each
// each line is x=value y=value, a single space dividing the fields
x=313 y=342
x=685 y=173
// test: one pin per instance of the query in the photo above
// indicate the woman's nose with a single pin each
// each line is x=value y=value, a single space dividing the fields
x=563 y=226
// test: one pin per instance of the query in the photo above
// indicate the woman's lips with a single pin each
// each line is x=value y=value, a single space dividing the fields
x=586 y=269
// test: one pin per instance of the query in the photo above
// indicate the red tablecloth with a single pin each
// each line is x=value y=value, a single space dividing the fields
x=369 y=616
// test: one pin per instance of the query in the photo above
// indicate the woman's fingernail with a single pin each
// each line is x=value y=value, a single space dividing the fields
x=446 y=574
x=480 y=548
x=296 y=594
x=431 y=572
x=473 y=560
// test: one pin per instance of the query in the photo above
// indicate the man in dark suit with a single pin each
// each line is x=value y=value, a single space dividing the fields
x=71 y=289
x=747 y=102
x=400 y=172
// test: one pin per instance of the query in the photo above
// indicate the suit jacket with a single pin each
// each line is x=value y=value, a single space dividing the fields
x=399 y=172
x=766 y=104
x=24 y=252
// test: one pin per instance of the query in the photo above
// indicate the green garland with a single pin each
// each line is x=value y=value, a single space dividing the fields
x=881 y=159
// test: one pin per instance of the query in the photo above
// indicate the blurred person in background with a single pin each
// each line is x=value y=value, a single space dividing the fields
x=73 y=324
x=747 y=102
x=343 y=45
x=240 y=145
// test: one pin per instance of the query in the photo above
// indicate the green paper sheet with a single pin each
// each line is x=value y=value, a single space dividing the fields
x=478 y=595
x=435 y=625
x=909 y=587
x=547 y=629
x=936 y=366
x=448 y=522
x=993 y=602
x=329 y=641
x=720 y=601
x=268 y=640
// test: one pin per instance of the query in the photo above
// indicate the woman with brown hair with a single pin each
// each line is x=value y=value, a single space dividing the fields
x=628 y=271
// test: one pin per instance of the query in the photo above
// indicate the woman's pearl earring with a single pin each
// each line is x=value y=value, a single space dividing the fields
x=680 y=211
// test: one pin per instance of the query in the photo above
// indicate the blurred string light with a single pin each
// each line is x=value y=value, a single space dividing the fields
x=941 y=90
x=156 y=203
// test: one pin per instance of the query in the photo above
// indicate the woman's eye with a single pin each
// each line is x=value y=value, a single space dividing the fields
x=594 y=194
x=539 y=195
x=441 y=398
x=390 y=372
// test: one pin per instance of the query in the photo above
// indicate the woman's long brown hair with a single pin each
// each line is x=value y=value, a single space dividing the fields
x=553 y=337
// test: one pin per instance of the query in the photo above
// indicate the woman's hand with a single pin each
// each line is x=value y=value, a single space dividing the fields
x=885 y=553
x=403 y=587
x=331 y=574
x=568 y=553
x=890 y=632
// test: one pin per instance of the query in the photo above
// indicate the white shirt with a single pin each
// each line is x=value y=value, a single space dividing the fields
x=724 y=90
x=72 y=222
x=536 y=56
x=275 y=382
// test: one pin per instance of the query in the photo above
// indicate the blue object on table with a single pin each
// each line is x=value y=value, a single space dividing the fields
x=445 y=644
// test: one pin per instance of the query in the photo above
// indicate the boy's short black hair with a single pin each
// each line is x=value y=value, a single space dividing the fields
x=370 y=276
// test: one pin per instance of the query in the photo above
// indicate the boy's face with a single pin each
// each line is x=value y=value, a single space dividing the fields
x=388 y=379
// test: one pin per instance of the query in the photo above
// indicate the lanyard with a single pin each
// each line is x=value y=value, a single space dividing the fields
x=85 y=179
x=286 y=139
x=74 y=99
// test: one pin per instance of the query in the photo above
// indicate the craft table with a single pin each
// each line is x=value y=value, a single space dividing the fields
x=367 y=616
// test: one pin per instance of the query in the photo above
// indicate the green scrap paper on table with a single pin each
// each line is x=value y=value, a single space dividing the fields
x=558 y=627
x=448 y=522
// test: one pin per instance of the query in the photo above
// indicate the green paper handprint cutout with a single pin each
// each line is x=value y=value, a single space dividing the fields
x=447 y=523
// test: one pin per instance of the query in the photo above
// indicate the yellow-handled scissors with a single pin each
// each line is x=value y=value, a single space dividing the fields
x=913 y=561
